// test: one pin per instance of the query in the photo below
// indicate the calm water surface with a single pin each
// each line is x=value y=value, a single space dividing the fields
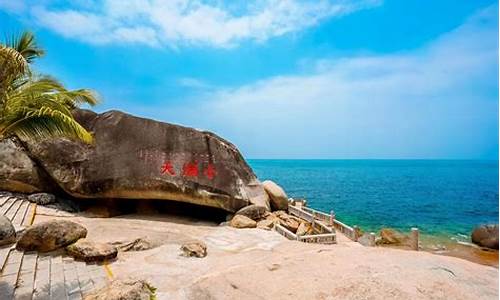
x=444 y=198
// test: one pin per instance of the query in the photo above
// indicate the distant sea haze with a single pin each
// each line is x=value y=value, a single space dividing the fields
x=443 y=198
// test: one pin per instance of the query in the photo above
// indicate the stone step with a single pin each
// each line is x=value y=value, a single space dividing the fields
x=21 y=213
x=13 y=209
x=10 y=274
x=26 y=278
x=29 y=216
x=5 y=207
x=4 y=253
x=4 y=199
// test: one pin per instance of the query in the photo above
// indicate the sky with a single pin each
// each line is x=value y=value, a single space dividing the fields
x=384 y=79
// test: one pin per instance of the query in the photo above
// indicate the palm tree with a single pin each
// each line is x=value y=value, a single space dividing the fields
x=34 y=106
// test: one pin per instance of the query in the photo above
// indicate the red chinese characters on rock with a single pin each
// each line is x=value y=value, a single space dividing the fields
x=210 y=171
x=168 y=168
x=189 y=169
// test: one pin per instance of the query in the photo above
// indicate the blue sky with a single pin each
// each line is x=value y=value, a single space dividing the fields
x=286 y=79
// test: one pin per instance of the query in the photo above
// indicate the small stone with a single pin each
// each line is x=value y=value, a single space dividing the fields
x=126 y=289
x=50 y=235
x=240 y=221
x=266 y=224
x=139 y=244
x=253 y=212
x=42 y=198
x=89 y=251
x=194 y=248
x=7 y=231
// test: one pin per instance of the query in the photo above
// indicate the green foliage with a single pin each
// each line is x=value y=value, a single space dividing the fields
x=36 y=107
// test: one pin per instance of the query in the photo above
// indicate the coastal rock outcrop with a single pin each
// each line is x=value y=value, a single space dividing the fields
x=90 y=251
x=486 y=236
x=7 y=231
x=278 y=197
x=139 y=158
x=50 y=235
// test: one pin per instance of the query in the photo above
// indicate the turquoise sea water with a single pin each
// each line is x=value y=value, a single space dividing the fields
x=445 y=198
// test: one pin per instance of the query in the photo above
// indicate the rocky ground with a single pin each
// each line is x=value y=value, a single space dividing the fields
x=261 y=264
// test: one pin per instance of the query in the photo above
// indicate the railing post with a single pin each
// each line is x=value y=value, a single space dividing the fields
x=331 y=217
x=414 y=238
x=372 y=239
x=356 y=232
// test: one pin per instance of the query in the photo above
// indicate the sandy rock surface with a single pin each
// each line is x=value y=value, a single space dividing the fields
x=261 y=264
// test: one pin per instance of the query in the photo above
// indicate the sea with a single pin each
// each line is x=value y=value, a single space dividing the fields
x=445 y=199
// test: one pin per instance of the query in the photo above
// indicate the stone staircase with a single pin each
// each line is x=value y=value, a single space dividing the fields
x=31 y=275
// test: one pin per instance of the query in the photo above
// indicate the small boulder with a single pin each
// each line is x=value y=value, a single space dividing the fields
x=253 y=212
x=89 y=251
x=240 y=221
x=194 y=248
x=42 y=198
x=125 y=289
x=50 y=235
x=278 y=197
x=266 y=224
x=391 y=236
x=486 y=236
x=7 y=231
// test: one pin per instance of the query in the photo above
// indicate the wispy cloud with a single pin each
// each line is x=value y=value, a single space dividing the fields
x=185 y=22
x=436 y=101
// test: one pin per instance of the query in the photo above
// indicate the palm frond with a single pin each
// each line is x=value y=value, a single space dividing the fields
x=43 y=123
x=26 y=45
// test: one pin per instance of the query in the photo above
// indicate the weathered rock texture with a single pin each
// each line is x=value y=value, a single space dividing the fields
x=89 y=251
x=392 y=237
x=7 y=231
x=139 y=159
x=18 y=173
x=194 y=249
x=50 y=235
x=42 y=198
x=253 y=212
x=486 y=236
x=278 y=197
x=240 y=221
x=127 y=289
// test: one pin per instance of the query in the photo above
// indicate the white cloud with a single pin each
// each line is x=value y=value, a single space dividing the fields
x=188 y=22
x=437 y=101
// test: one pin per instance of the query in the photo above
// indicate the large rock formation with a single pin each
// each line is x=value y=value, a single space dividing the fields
x=18 y=173
x=144 y=159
